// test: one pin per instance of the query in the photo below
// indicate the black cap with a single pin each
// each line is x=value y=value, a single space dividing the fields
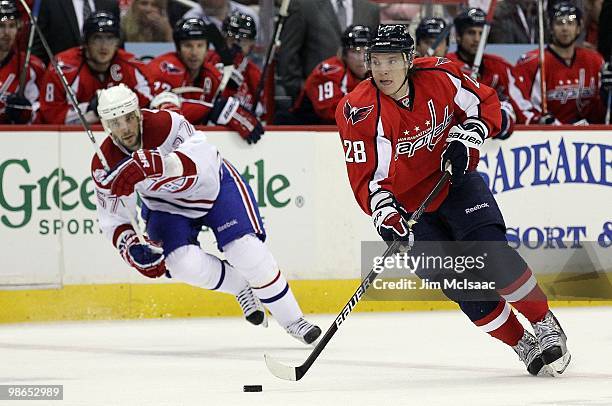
x=239 y=26
x=8 y=10
x=471 y=17
x=430 y=28
x=392 y=38
x=101 y=22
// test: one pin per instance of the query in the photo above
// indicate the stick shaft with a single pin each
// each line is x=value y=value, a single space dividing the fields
x=367 y=282
x=483 y=40
x=542 y=56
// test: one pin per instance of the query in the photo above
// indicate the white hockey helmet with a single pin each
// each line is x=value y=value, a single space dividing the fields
x=115 y=102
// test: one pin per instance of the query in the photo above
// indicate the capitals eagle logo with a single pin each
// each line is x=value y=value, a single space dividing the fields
x=356 y=114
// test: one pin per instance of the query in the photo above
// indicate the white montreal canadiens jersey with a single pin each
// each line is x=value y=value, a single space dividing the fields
x=191 y=196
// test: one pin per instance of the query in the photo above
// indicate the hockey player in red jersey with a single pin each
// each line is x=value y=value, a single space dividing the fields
x=494 y=71
x=98 y=64
x=184 y=184
x=185 y=71
x=427 y=32
x=333 y=78
x=17 y=106
x=572 y=73
x=398 y=129
x=240 y=32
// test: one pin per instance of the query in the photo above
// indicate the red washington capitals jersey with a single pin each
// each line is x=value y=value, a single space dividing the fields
x=496 y=72
x=124 y=68
x=167 y=72
x=572 y=91
x=251 y=72
x=10 y=69
x=328 y=82
x=398 y=146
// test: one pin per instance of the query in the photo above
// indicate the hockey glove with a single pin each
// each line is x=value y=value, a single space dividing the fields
x=236 y=79
x=148 y=259
x=388 y=218
x=462 y=149
x=547 y=119
x=508 y=120
x=18 y=109
x=229 y=113
x=606 y=77
x=143 y=164
x=166 y=101
x=93 y=104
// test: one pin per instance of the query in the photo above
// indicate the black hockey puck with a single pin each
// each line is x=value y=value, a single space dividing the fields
x=253 y=388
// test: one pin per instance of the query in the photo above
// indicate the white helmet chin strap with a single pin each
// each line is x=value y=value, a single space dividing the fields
x=409 y=63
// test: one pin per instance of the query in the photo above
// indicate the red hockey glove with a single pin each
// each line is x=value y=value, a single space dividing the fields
x=463 y=149
x=143 y=164
x=148 y=259
x=387 y=215
x=229 y=113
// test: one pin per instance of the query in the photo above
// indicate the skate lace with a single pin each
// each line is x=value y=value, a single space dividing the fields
x=299 y=328
x=247 y=301
x=547 y=332
x=527 y=349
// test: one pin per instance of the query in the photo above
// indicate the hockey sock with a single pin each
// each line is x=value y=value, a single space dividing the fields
x=526 y=296
x=496 y=319
x=251 y=257
x=191 y=265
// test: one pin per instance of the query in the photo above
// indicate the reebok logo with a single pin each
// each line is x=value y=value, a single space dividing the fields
x=227 y=225
x=477 y=207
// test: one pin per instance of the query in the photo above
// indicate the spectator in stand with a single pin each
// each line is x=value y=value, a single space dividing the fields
x=61 y=22
x=604 y=43
x=515 y=22
x=98 y=64
x=312 y=34
x=593 y=10
x=427 y=33
x=186 y=68
x=240 y=32
x=572 y=73
x=146 y=21
x=333 y=78
x=17 y=105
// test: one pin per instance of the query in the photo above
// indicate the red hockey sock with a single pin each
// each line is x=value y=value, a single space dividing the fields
x=526 y=297
x=502 y=324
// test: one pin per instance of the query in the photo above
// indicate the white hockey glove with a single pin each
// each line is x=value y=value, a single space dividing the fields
x=463 y=149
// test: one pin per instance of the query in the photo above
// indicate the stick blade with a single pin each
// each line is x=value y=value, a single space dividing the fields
x=280 y=370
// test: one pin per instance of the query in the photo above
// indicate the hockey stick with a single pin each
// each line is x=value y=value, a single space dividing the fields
x=441 y=37
x=73 y=101
x=609 y=104
x=28 y=55
x=290 y=373
x=483 y=40
x=542 y=57
x=271 y=52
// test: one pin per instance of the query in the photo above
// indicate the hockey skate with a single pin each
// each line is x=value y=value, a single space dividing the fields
x=552 y=341
x=252 y=308
x=303 y=331
x=529 y=352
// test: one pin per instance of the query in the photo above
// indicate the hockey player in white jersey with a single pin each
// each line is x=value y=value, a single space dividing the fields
x=185 y=184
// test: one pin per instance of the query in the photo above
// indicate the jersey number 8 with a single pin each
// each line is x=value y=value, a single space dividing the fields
x=357 y=148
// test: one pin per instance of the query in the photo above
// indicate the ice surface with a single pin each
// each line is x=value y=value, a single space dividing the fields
x=429 y=358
